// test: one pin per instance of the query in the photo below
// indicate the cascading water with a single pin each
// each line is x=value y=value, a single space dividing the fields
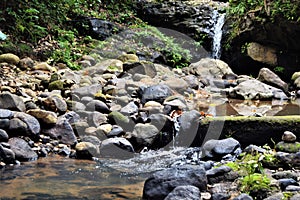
x=219 y=22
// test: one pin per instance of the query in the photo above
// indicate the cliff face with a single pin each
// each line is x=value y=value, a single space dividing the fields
x=280 y=39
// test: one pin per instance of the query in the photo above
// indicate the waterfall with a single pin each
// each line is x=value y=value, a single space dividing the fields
x=219 y=21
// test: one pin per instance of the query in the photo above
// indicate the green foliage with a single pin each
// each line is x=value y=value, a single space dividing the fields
x=279 y=69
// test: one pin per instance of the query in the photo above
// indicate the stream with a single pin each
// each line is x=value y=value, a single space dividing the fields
x=57 y=177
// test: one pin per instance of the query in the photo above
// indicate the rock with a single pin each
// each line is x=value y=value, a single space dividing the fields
x=71 y=116
x=292 y=188
x=192 y=81
x=285 y=174
x=4 y=123
x=295 y=197
x=215 y=149
x=76 y=106
x=288 y=136
x=253 y=89
x=46 y=117
x=3 y=136
x=288 y=147
x=22 y=150
x=275 y=196
x=187 y=192
x=161 y=183
x=97 y=105
x=44 y=66
x=283 y=183
x=55 y=103
x=26 y=63
x=92 y=139
x=96 y=118
x=143 y=68
x=4 y=113
x=87 y=90
x=103 y=66
x=142 y=135
x=117 y=147
x=177 y=102
x=209 y=69
x=269 y=77
x=11 y=102
x=62 y=131
x=220 y=196
x=221 y=174
x=243 y=197
x=130 y=108
x=9 y=58
x=7 y=155
x=288 y=159
x=57 y=85
x=262 y=53
x=154 y=93
x=116 y=131
x=176 y=84
x=86 y=150
x=33 y=127
x=118 y=118
x=17 y=127
x=253 y=149
x=128 y=58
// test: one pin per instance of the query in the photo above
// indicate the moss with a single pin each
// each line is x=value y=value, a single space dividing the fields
x=288 y=147
x=56 y=85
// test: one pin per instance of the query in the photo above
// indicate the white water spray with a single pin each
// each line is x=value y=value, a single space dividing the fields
x=219 y=22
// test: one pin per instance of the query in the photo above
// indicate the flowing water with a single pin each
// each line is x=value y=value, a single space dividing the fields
x=219 y=22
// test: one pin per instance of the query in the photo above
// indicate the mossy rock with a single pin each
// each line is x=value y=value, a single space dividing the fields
x=9 y=58
x=288 y=147
x=128 y=58
x=56 y=85
x=247 y=130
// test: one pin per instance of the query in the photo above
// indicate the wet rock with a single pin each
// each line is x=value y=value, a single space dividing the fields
x=219 y=148
x=62 y=131
x=289 y=137
x=9 y=58
x=243 y=197
x=269 y=77
x=283 y=183
x=142 y=135
x=86 y=150
x=22 y=150
x=46 y=117
x=3 y=136
x=28 y=124
x=117 y=147
x=161 y=183
x=4 y=113
x=184 y=192
x=154 y=93
x=4 y=123
x=289 y=159
x=64 y=151
x=97 y=105
x=7 y=155
x=11 y=102
x=87 y=90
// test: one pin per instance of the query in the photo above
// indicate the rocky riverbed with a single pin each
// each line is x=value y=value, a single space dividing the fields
x=118 y=108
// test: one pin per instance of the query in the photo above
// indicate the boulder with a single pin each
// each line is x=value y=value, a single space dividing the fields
x=215 y=149
x=9 y=58
x=161 y=183
x=7 y=155
x=142 y=135
x=86 y=150
x=11 y=102
x=97 y=105
x=3 y=136
x=62 y=131
x=90 y=90
x=6 y=114
x=22 y=150
x=46 y=117
x=187 y=192
x=143 y=68
x=117 y=147
x=267 y=76
x=262 y=53
x=154 y=93
x=31 y=125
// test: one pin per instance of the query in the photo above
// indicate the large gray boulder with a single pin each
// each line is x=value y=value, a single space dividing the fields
x=22 y=150
x=161 y=183
x=11 y=102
